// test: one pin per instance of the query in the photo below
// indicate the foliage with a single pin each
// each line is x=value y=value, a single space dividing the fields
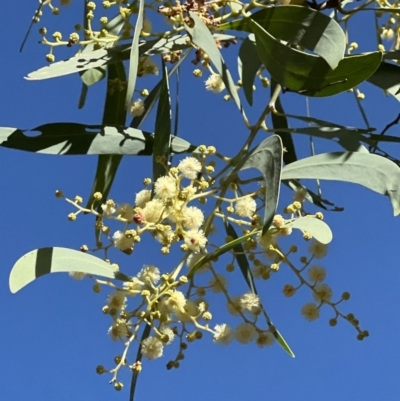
x=303 y=49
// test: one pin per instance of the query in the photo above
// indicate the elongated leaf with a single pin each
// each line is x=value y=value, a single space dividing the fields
x=202 y=37
x=241 y=258
x=371 y=171
x=54 y=260
x=309 y=74
x=80 y=139
x=387 y=77
x=134 y=55
x=162 y=131
x=248 y=64
x=280 y=124
x=139 y=355
x=267 y=158
x=300 y=26
x=348 y=138
x=248 y=276
x=312 y=197
x=218 y=252
x=317 y=228
x=105 y=56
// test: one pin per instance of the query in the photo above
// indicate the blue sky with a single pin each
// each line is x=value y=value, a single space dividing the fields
x=54 y=333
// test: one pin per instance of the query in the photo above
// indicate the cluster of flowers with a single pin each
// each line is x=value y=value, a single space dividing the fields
x=175 y=305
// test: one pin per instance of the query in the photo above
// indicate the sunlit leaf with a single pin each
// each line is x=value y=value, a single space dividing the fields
x=300 y=26
x=202 y=37
x=317 y=228
x=308 y=74
x=267 y=158
x=371 y=171
x=55 y=260
x=134 y=54
x=81 y=139
x=248 y=64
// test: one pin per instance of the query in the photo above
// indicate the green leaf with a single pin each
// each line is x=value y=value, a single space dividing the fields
x=312 y=197
x=371 y=171
x=241 y=258
x=308 y=74
x=248 y=64
x=317 y=228
x=299 y=26
x=43 y=261
x=105 y=56
x=267 y=158
x=162 y=131
x=202 y=37
x=248 y=276
x=80 y=139
x=280 y=124
x=348 y=138
x=218 y=252
x=134 y=56
x=387 y=77
x=114 y=113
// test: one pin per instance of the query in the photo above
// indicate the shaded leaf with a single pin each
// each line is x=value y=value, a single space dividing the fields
x=43 y=261
x=299 y=26
x=280 y=124
x=81 y=139
x=312 y=197
x=248 y=64
x=387 y=77
x=241 y=258
x=317 y=228
x=371 y=171
x=308 y=74
x=202 y=37
x=162 y=131
x=248 y=276
x=208 y=257
x=267 y=158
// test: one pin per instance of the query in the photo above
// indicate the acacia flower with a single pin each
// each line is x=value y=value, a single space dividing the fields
x=318 y=250
x=214 y=83
x=165 y=330
x=234 y=306
x=223 y=334
x=118 y=330
x=190 y=167
x=117 y=300
x=245 y=333
x=250 y=302
x=265 y=339
x=152 y=348
x=322 y=292
x=153 y=210
x=123 y=242
x=193 y=217
x=310 y=311
x=193 y=258
x=195 y=240
x=137 y=108
x=142 y=198
x=317 y=273
x=176 y=301
x=149 y=275
x=108 y=207
x=77 y=275
x=165 y=187
x=217 y=284
x=245 y=207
